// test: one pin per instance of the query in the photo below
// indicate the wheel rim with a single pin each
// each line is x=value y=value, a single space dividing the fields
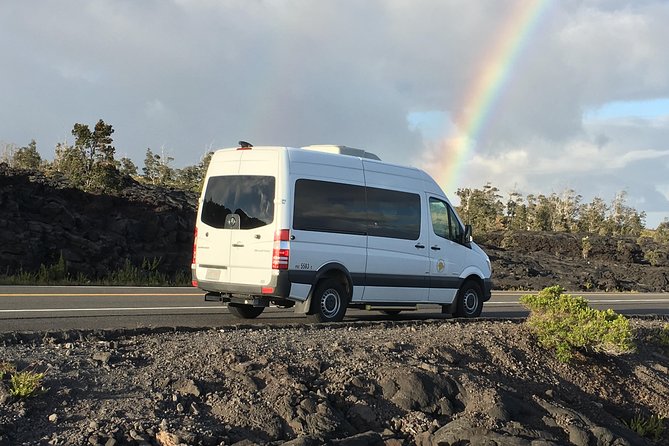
x=330 y=303
x=470 y=301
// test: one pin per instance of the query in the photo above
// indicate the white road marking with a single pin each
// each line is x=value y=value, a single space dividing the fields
x=598 y=301
x=212 y=307
x=67 y=310
x=97 y=295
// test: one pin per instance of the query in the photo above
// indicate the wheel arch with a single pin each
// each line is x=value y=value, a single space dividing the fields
x=335 y=271
x=476 y=275
x=472 y=277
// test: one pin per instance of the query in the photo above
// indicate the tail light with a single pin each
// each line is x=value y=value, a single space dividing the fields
x=281 y=250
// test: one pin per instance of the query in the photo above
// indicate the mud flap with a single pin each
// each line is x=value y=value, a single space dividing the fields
x=303 y=307
x=450 y=308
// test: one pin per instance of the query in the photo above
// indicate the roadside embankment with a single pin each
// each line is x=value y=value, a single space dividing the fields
x=391 y=383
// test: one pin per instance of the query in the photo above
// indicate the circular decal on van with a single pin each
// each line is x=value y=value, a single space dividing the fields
x=441 y=265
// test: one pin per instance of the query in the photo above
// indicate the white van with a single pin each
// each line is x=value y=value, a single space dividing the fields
x=326 y=228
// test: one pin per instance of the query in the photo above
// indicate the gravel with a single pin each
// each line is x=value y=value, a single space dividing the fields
x=446 y=382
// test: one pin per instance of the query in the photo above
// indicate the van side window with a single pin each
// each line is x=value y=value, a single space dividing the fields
x=445 y=224
x=329 y=207
x=249 y=196
x=393 y=214
x=345 y=208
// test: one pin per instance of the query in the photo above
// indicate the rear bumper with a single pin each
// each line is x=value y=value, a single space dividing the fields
x=280 y=285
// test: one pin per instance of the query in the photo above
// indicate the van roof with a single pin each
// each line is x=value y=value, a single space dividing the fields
x=342 y=150
x=370 y=161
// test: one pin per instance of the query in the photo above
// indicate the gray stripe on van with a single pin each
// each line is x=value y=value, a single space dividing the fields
x=385 y=280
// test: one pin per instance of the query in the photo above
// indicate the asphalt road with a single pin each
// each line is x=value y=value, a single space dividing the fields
x=28 y=308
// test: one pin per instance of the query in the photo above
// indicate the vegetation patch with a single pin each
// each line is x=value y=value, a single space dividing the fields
x=147 y=274
x=664 y=336
x=566 y=323
x=660 y=337
x=24 y=383
x=650 y=427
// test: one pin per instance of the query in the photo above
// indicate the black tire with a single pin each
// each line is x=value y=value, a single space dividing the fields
x=329 y=302
x=469 y=300
x=391 y=312
x=245 y=311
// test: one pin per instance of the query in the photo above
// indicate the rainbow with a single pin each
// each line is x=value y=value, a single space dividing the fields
x=484 y=92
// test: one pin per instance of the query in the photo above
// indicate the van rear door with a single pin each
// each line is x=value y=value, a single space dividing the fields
x=238 y=218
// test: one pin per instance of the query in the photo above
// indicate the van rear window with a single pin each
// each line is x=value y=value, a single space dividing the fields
x=249 y=196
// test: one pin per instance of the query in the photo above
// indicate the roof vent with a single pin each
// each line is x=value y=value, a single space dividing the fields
x=343 y=150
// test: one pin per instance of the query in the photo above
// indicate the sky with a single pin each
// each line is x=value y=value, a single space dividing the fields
x=532 y=96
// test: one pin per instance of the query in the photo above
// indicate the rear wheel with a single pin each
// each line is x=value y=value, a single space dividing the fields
x=469 y=300
x=329 y=302
x=245 y=311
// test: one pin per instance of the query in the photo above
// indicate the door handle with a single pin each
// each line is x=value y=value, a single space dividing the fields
x=419 y=246
x=435 y=248
x=237 y=245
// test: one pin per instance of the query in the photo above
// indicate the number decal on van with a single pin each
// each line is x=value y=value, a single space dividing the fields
x=303 y=266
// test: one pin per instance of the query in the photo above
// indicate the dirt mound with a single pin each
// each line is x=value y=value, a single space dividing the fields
x=424 y=383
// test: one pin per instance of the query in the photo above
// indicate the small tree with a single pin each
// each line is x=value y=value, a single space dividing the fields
x=127 y=167
x=542 y=212
x=157 y=169
x=27 y=157
x=150 y=169
x=70 y=162
x=192 y=177
x=7 y=153
x=593 y=216
x=100 y=170
x=622 y=219
x=482 y=208
x=516 y=212
x=567 y=209
x=96 y=145
x=662 y=233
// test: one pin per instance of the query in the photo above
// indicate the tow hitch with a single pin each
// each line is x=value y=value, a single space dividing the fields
x=213 y=297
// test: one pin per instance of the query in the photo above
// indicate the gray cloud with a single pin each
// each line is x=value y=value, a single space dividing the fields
x=186 y=76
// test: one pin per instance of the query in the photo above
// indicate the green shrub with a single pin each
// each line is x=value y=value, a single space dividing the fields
x=650 y=427
x=564 y=323
x=25 y=383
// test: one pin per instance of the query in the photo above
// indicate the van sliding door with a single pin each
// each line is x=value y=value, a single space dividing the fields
x=397 y=262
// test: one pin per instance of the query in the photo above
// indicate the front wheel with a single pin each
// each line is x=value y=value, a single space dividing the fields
x=329 y=302
x=245 y=311
x=469 y=300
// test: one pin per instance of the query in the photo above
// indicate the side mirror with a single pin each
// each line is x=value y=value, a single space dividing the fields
x=467 y=236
